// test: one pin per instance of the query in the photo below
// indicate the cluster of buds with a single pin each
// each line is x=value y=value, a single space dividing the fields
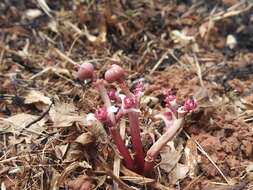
x=124 y=102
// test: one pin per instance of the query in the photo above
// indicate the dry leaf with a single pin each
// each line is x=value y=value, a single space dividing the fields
x=37 y=98
x=170 y=156
x=17 y=124
x=64 y=114
x=74 y=152
x=178 y=173
x=85 y=138
x=249 y=172
x=60 y=179
x=81 y=183
x=60 y=150
x=191 y=157
x=248 y=101
x=249 y=168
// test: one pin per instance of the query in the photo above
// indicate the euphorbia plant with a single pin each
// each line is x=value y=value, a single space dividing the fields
x=126 y=103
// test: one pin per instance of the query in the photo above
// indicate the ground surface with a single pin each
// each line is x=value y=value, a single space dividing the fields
x=197 y=48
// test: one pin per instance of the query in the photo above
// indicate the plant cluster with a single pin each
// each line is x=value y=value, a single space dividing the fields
x=124 y=102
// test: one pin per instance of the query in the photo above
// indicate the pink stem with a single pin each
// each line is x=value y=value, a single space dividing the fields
x=159 y=144
x=136 y=139
x=114 y=132
x=134 y=130
x=119 y=115
x=129 y=163
x=106 y=100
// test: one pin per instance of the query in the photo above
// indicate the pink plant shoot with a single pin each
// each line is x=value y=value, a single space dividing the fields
x=115 y=74
x=101 y=114
x=168 y=115
x=86 y=71
x=170 y=100
x=127 y=104
x=113 y=95
x=189 y=104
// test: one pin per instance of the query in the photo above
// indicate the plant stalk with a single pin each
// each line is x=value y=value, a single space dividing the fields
x=129 y=162
x=136 y=139
x=159 y=144
x=106 y=100
x=113 y=130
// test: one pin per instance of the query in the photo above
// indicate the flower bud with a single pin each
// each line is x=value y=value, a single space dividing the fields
x=115 y=74
x=85 y=71
x=101 y=114
x=170 y=100
x=129 y=102
x=189 y=104
x=112 y=95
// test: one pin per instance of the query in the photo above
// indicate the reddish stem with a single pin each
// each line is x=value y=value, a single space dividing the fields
x=106 y=100
x=136 y=139
x=119 y=115
x=159 y=144
x=134 y=130
x=114 y=132
x=129 y=163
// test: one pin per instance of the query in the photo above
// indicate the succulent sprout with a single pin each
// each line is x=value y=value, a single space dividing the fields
x=101 y=114
x=112 y=95
x=189 y=104
x=129 y=102
x=115 y=74
x=85 y=71
x=123 y=102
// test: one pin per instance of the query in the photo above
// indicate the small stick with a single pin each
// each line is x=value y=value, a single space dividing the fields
x=164 y=56
x=63 y=56
x=39 y=118
x=199 y=72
